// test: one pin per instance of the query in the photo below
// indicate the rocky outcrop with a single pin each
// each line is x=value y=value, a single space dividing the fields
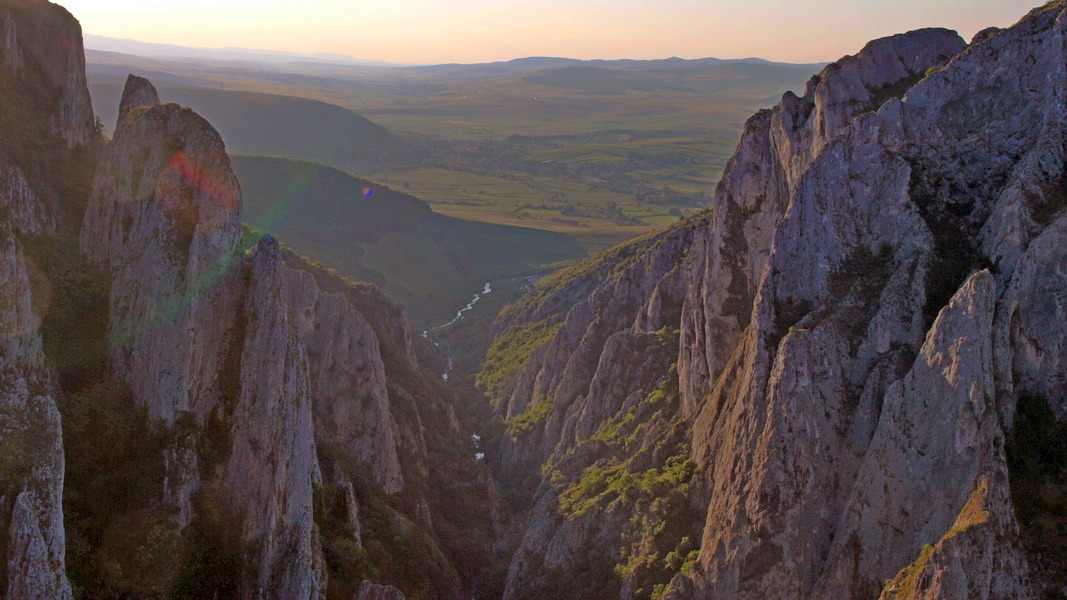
x=249 y=366
x=635 y=288
x=841 y=351
x=938 y=424
x=898 y=183
x=348 y=379
x=272 y=464
x=32 y=539
x=48 y=130
x=776 y=149
x=28 y=213
x=371 y=591
x=165 y=217
x=199 y=329
x=972 y=560
x=42 y=42
x=261 y=363
x=138 y=92
x=48 y=120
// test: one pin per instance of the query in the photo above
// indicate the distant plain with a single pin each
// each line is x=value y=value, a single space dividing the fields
x=597 y=151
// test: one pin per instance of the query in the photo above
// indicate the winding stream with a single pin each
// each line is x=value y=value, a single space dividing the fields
x=459 y=315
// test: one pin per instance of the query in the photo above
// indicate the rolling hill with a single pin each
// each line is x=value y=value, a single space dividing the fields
x=274 y=125
x=429 y=262
x=599 y=150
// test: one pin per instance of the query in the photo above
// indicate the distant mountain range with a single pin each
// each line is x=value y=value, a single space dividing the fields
x=151 y=49
x=276 y=57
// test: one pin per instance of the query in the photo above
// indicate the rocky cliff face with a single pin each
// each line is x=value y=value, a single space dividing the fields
x=808 y=391
x=272 y=464
x=164 y=217
x=347 y=376
x=262 y=365
x=269 y=427
x=42 y=46
x=199 y=333
x=47 y=117
x=48 y=125
x=855 y=318
x=32 y=539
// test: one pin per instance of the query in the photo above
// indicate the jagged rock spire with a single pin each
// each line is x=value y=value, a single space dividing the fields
x=138 y=92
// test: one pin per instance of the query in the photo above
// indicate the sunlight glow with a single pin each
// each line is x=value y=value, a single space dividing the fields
x=421 y=31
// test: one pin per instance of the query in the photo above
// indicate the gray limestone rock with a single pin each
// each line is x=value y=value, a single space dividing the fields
x=165 y=217
x=842 y=352
x=32 y=536
x=373 y=591
x=46 y=35
x=137 y=92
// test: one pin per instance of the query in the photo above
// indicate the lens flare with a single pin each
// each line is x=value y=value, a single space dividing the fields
x=195 y=177
x=171 y=308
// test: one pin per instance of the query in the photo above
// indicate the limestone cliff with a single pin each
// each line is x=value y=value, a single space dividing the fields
x=272 y=464
x=32 y=540
x=263 y=365
x=246 y=424
x=855 y=317
x=348 y=376
x=41 y=45
x=46 y=124
x=198 y=330
x=164 y=216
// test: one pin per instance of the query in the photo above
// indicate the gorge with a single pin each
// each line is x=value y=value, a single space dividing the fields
x=846 y=378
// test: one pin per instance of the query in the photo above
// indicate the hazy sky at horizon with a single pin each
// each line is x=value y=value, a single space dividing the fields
x=425 y=31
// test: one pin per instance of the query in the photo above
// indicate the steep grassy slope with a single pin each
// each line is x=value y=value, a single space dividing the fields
x=429 y=262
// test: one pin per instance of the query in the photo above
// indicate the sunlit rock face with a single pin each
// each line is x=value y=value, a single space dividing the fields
x=272 y=465
x=879 y=279
x=164 y=216
x=348 y=377
x=199 y=329
x=209 y=334
x=138 y=92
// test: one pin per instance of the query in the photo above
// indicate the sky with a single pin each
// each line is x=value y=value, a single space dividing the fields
x=427 y=31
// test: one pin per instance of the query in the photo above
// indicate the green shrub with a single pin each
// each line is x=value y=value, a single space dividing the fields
x=642 y=469
x=903 y=585
x=213 y=564
x=139 y=554
x=508 y=354
x=347 y=562
x=535 y=415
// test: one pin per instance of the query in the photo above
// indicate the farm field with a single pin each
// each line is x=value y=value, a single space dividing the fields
x=530 y=201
